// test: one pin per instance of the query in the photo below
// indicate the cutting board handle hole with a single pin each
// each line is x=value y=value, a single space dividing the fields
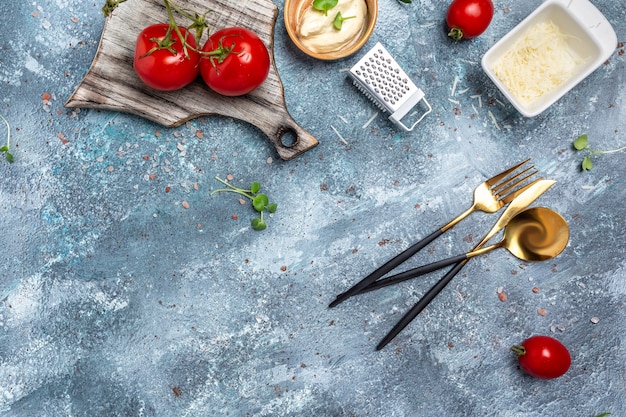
x=288 y=137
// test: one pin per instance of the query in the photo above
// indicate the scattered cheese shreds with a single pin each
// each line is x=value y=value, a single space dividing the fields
x=537 y=63
x=493 y=119
x=370 y=120
x=456 y=81
x=341 y=138
x=480 y=100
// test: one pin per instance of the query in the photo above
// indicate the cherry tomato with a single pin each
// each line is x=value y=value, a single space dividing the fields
x=234 y=61
x=160 y=61
x=468 y=18
x=543 y=357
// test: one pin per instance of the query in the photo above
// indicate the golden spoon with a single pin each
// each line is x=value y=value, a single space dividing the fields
x=535 y=234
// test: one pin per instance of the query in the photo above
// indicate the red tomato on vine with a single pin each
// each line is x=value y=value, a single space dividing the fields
x=467 y=19
x=234 y=61
x=543 y=357
x=162 y=61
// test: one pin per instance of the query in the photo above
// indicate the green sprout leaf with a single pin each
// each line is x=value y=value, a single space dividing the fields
x=258 y=224
x=260 y=201
x=7 y=148
x=586 y=165
x=581 y=142
x=338 y=22
x=405 y=1
x=604 y=414
x=324 y=5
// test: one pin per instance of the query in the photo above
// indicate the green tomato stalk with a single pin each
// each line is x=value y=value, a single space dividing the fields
x=198 y=25
x=109 y=6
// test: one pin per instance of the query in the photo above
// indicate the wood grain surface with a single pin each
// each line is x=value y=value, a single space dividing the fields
x=112 y=84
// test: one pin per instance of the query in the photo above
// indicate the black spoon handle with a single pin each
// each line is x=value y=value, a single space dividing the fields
x=412 y=273
x=421 y=304
x=388 y=266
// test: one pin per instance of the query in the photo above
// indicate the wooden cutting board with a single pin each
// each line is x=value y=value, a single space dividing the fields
x=112 y=84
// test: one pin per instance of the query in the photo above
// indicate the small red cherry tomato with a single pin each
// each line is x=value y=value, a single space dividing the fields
x=543 y=357
x=468 y=18
x=234 y=61
x=160 y=59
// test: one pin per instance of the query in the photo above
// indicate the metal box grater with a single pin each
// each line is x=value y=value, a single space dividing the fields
x=380 y=78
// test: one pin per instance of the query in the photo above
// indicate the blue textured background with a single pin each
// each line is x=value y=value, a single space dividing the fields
x=118 y=301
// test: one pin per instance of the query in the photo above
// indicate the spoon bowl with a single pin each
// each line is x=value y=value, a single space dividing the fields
x=535 y=234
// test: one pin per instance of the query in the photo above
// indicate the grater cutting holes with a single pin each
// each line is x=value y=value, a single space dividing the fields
x=380 y=78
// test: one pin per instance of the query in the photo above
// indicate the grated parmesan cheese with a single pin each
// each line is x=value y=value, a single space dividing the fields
x=537 y=63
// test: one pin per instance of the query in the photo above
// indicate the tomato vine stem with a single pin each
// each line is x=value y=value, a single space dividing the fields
x=110 y=5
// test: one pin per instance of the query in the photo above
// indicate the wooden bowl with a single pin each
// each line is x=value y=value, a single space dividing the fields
x=293 y=13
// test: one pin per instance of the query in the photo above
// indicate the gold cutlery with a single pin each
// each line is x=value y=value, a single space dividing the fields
x=519 y=204
x=489 y=197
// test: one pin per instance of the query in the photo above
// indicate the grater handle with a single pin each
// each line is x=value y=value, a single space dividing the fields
x=398 y=115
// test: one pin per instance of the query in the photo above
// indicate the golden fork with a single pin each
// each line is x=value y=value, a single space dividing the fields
x=489 y=197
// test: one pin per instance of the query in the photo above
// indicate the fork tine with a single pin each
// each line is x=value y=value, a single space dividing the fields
x=511 y=196
x=499 y=177
x=511 y=183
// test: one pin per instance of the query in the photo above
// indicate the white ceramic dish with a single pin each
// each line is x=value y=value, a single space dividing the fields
x=591 y=39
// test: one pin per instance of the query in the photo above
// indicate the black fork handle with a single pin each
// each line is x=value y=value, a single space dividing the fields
x=388 y=266
x=421 y=304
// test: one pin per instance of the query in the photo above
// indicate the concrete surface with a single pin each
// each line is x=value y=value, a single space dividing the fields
x=116 y=300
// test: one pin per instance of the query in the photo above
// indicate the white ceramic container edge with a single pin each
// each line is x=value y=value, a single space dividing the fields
x=595 y=41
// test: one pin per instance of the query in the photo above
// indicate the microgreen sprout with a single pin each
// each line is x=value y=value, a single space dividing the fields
x=324 y=5
x=582 y=144
x=6 y=149
x=260 y=201
x=604 y=414
x=406 y=1
x=338 y=22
